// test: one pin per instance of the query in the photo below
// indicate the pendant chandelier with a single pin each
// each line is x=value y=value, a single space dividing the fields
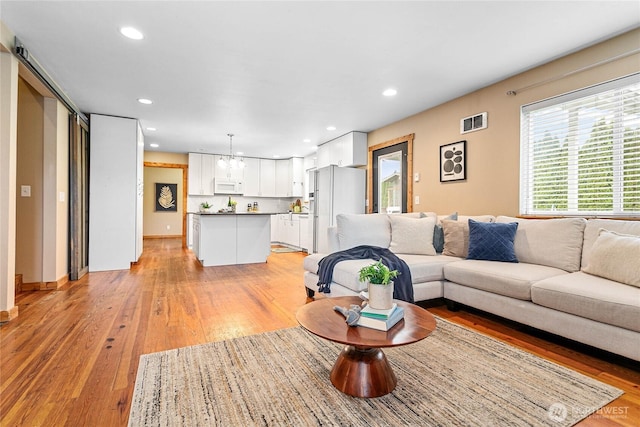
x=230 y=162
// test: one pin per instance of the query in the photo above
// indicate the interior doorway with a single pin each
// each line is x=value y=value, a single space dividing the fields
x=390 y=169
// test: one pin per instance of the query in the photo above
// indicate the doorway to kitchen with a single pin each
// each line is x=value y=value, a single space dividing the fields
x=390 y=166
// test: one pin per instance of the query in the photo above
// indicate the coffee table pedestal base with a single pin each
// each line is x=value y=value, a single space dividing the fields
x=363 y=372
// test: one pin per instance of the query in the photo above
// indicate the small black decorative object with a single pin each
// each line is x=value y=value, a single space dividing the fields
x=166 y=197
x=453 y=161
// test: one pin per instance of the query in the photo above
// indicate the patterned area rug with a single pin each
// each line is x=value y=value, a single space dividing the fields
x=283 y=250
x=455 y=377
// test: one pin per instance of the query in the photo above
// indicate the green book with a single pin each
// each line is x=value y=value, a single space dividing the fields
x=375 y=313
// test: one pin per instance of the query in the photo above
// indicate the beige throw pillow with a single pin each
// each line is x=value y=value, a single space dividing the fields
x=456 y=238
x=615 y=256
x=412 y=235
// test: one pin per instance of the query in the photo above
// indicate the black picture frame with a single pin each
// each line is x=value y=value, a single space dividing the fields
x=166 y=200
x=453 y=161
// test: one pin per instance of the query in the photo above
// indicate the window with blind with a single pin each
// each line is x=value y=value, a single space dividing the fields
x=580 y=152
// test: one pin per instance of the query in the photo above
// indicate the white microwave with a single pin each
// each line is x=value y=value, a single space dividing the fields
x=226 y=187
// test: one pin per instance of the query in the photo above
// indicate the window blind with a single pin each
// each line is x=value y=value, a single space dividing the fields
x=580 y=152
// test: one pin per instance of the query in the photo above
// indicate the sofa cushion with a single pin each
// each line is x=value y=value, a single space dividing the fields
x=426 y=268
x=360 y=229
x=508 y=279
x=423 y=268
x=592 y=231
x=412 y=235
x=438 y=232
x=592 y=297
x=456 y=238
x=615 y=256
x=552 y=242
x=456 y=234
x=492 y=241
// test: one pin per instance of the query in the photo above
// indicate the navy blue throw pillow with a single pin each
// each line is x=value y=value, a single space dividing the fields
x=492 y=241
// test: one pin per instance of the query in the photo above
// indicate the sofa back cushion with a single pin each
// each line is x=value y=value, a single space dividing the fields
x=592 y=231
x=412 y=235
x=552 y=242
x=616 y=257
x=456 y=234
x=363 y=229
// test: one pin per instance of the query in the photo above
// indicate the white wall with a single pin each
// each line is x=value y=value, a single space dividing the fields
x=55 y=245
x=113 y=193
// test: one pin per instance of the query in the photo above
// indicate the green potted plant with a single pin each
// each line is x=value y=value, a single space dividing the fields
x=205 y=206
x=378 y=278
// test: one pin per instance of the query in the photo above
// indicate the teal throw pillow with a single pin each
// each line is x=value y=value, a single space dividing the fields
x=438 y=233
x=492 y=241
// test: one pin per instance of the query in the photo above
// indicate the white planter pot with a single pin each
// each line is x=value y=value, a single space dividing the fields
x=381 y=296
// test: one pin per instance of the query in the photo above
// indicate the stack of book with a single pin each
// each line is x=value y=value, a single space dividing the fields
x=382 y=320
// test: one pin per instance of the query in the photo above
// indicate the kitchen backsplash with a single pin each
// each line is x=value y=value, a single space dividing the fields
x=219 y=202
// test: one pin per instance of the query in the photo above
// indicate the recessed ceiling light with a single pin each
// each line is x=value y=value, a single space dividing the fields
x=390 y=92
x=331 y=128
x=152 y=129
x=315 y=147
x=153 y=145
x=239 y=153
x=145 y=101
x=276 y=156
x=306 y=140
x=131 y=33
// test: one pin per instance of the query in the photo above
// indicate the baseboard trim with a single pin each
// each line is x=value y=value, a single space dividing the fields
x=6 y=316
x=46 y=286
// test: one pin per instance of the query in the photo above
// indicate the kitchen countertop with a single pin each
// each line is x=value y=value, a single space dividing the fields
x=232 y=213
x=247 y=213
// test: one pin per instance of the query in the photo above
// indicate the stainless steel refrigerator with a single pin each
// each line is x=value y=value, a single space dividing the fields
x=334 y=190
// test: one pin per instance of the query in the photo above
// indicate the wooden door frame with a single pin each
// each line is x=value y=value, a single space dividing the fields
x=185 y=170
x=409 y=140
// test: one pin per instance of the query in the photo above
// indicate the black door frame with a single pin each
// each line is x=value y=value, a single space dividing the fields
x=372 y=185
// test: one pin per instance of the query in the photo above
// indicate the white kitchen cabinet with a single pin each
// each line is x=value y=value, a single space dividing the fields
x=251 y=183
x=201 y=174
x=267 y=178
x=348 y=150
x=290 y=177
x=259 y=178
x=306 y=233
x=275 y=235
x=231 y=239
x=116 y=183
x=297 y=176
x=195 y=235
x=283 y=178
x=292 y=231
x=287 y=230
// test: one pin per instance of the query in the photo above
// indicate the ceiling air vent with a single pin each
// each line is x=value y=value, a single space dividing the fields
x=473 y=123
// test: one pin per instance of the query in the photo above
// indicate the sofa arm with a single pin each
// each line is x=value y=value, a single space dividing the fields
x=334 y=242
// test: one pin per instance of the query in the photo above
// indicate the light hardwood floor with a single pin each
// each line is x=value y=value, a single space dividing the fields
x=71 y=356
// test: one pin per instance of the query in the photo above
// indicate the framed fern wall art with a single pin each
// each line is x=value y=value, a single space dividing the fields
x=166 y=197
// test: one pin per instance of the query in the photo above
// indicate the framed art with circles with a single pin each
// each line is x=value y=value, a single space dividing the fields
x=453 y=161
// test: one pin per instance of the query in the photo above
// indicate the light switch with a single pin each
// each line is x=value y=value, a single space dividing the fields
x=61 y=196
x=25 y=191
x=416 y=200
x=416 y=176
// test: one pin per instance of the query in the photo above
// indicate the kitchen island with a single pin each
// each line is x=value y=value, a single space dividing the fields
x=231 y=238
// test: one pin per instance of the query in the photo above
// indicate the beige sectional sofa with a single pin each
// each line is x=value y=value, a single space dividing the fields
x=576 y=278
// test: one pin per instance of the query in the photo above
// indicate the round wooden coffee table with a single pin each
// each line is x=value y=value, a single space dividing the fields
x=362 y=369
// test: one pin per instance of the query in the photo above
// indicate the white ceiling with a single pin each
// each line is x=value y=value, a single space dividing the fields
x=275 y=73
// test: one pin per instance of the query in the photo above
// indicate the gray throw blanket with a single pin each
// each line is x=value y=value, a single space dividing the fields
x=402 y=287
